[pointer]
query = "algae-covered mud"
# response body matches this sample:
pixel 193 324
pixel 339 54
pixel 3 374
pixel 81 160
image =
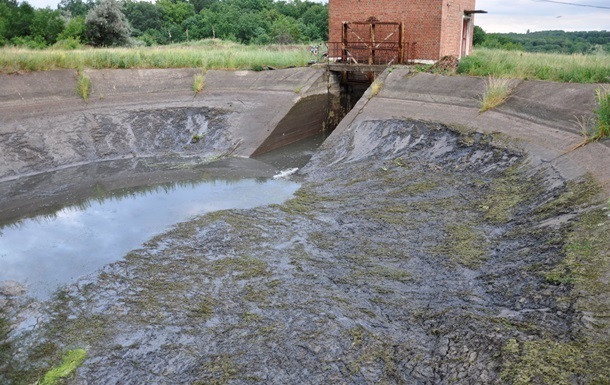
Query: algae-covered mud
pixel 412 254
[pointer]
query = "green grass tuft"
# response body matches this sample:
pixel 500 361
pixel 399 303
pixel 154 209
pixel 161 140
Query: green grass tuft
pixel 83 86
pixel 602 95
pixel 497 92
pixel 71 361
pixel 198 83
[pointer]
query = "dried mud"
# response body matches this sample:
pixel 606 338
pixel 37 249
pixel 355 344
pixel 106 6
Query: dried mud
pixel 412 254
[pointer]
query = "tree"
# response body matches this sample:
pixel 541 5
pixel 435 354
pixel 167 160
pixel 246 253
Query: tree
pixel 175 12
pixel 478 37
pixel 76 7
pixel 75 29
pixel 143 16
pixel 47 24
pixel 106 25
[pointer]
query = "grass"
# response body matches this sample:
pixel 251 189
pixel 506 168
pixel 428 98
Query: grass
pixel 205 54
pixel 83 86
pixel 198 82
pixel 602 95
pixel 585 356
pixel 71 361
pixel 497 92
pixel 537 66
pixel 375 88
pixel 597 127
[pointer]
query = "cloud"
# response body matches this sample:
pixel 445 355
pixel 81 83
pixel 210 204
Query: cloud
pixel 521 15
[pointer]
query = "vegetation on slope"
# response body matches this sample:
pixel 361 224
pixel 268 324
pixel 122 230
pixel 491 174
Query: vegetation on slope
pixel 205 54
pixel 540 66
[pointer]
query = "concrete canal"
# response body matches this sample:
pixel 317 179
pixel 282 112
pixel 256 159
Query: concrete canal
pixel 418 249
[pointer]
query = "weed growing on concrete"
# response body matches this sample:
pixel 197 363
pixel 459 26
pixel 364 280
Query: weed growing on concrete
pixel 594 129
pixel 71 361
pixel 375 88
pixel 497 92
pixel 198 82
pixel 602 95
pixel 298 89
pixel 83 86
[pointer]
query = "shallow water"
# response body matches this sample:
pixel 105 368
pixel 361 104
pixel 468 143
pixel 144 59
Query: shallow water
pixel 58 226
pixel 47 251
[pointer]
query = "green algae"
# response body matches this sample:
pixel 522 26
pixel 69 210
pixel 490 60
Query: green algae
pixel 70 362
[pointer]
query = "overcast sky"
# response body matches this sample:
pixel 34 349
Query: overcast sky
pixel 517 15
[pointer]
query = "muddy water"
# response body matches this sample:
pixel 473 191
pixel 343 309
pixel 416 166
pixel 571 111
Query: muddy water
pixel 62 230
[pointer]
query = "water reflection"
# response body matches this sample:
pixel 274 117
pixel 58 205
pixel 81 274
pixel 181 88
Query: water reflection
pixel 62 245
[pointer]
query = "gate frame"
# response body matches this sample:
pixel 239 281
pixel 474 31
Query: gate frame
pixel 372 44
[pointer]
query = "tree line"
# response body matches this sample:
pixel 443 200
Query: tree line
pixel 130 22
pixel 586 42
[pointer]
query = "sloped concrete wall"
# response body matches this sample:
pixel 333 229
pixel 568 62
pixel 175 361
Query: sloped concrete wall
pixel 45 125
pixel 540 117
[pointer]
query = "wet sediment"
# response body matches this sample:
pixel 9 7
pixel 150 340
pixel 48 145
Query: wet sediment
pixel 412 254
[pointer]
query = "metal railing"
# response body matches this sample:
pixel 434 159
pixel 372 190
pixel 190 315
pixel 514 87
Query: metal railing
pixel 371 53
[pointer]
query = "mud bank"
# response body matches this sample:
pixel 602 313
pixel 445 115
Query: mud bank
pixel 442 258
pixel 44 125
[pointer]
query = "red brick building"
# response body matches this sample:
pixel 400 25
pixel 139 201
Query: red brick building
pixel 397 31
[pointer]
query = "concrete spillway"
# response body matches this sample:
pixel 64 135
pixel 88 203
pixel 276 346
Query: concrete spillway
pixel 44 125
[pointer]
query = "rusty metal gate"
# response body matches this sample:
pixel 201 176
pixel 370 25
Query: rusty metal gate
pixel 372 42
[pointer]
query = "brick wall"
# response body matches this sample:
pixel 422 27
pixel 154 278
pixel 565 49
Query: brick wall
pixel 452 26
pixel 436 31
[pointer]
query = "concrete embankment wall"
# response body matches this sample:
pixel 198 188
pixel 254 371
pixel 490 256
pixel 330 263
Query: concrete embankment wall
pixel 539 117
pixel 45 125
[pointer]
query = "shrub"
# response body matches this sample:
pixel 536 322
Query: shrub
pixel 106 25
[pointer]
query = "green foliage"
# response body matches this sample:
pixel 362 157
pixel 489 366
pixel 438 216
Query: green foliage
pixel 71 361
pixel 546 41
pixel 204 54
pixel 143 16
pixel 163 22
pixel 602 95
pixel 74 30
pixel 47 24
pixel 67 44
pixel 76 8
pixel 106 25
pixel 479 35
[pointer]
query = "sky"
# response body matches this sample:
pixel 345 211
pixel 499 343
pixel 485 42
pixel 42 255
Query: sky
pixel 517 15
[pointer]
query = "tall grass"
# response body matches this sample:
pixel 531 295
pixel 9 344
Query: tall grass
pixel 602 95
pixel 207 54
pixel 497 91
pixel 83 86
pixel 542 66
